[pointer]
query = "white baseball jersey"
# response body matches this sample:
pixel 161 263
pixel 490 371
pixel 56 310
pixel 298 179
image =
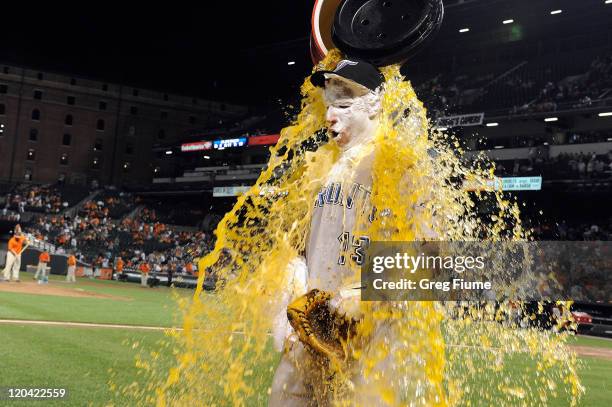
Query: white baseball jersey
pixel 343 201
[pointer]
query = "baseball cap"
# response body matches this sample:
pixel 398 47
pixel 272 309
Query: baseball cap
pixel 360 72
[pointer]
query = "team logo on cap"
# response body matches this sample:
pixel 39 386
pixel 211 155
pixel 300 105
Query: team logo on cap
pixel 344 63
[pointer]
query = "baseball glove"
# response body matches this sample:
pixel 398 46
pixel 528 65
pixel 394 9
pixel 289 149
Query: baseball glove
pixel 322 330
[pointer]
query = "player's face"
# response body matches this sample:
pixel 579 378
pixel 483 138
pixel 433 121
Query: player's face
pixel 349 117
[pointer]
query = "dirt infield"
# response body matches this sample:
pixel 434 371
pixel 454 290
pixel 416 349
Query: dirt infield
pixel 54 288
pixel 601 353
pixel 596 352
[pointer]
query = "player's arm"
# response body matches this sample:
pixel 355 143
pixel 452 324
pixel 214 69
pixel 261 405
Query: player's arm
pixel 296 274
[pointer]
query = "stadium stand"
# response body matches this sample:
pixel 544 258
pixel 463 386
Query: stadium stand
pixel 114 224
pixel 542 85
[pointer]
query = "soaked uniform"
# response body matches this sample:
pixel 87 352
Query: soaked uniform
pixel 334 252
pixel 341 207
pixel 332 255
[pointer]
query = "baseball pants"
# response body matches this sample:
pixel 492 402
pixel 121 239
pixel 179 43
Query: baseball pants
pixel 13 263
pixel 300 382
pixel 41 270
pixel 70 275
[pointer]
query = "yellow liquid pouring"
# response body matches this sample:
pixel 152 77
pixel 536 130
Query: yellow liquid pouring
pixel 224 356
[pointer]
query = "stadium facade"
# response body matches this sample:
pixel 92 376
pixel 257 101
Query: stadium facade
pixel 59 127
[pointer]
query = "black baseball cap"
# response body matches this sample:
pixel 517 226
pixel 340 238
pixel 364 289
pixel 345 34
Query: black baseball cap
pixel 357 71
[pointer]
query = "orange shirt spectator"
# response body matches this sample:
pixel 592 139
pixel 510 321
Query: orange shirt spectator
pixel 15 244
pixel 119 266
pixel 44 257
pixel 189 268
pixel 71 260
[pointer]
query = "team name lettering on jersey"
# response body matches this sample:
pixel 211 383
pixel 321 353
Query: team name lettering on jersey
pixel 335 194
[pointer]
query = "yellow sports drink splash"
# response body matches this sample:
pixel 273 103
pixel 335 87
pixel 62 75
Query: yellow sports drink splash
pixel 223 355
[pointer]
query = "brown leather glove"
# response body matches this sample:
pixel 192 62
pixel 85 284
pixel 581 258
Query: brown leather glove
pixel 322 330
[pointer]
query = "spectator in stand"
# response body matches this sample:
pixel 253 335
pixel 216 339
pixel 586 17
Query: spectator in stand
pixel 70 275
pixel 41 268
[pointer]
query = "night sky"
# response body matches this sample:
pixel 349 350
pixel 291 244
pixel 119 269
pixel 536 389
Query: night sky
pixel 235 51
pixel 231 50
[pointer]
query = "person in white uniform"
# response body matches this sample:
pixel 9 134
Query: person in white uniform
pixel 353 99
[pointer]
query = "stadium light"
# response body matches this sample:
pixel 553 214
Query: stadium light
pixel 498 147
pixel 442 128
pixel 551 119
pixel 609 138
pixel 169 152
pixel 510 21
pixel 291 63
pixel 545 143
pixel 464 30
pixel 207 157
pixel 604 114
pixel 493 124
pixel 556 12
pixel 608 2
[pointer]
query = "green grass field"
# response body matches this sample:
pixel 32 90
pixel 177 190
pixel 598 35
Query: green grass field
pixel 79 359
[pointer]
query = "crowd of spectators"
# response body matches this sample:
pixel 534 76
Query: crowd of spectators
pixel 580 90
pixel 179 258
pixel 96 238
pixel 519 89
pixel 9 215
pixel 443 94
pixel 581 270
pixel 110 204
pixel 563 166
pixel 37 198
pixel 574 231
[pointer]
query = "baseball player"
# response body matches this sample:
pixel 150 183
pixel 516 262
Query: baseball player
pixel 353 99
pixel 144 273
pixel 16 245
pixel 70 275
pixel 41 268
pixel 119 269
